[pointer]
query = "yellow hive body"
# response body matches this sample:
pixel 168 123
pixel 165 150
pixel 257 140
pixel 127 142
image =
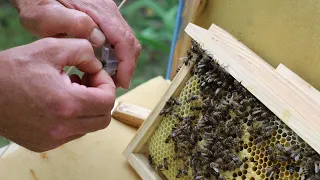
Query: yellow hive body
pixel 260 163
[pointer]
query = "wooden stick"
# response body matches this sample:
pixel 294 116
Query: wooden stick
pixel 130 114
pixel 265 85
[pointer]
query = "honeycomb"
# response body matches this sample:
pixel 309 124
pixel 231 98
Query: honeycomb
pixel 216 129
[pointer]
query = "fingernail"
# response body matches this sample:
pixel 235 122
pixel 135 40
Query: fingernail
pixel 97 37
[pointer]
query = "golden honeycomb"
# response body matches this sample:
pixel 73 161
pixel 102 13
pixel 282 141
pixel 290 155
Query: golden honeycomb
pixel 216 129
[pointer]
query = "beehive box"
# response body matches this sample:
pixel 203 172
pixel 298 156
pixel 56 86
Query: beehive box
pixel 228 115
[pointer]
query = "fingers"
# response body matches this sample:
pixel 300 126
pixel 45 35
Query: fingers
pixel 87 125
pixel 55 20
pixel 98 98
pixel 96 94
pixel 69 52
pixel 81 126
pixel 106 14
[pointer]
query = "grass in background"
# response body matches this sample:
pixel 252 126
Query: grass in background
pixel 152 21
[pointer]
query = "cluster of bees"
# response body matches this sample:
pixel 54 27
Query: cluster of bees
pixel 224 118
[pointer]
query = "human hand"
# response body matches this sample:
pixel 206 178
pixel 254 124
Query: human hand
pixel 42 108
pixel 80 19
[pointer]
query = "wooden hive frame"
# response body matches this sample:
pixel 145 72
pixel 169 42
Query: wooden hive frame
pixel 290 98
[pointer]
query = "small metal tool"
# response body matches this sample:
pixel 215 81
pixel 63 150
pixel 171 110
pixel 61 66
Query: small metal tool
pixel 109 60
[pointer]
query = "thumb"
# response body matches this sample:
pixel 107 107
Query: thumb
pixel 57 20
pixel 71 52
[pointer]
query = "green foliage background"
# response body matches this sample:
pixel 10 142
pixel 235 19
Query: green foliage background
pixel 152 21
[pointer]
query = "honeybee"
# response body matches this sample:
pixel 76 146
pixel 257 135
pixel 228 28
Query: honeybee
pixel 173 101
pixel 230 166
pixel 104 64
pixel 195 108
pixel 237 149
pixel 245 159
pixel 166 111
pixel 178 69
pixel 239 113
pixel 199 177
pixel 283 149
pixel 189 118
pixel 165 163
pixel 251 100
pixel 258 140
pixel 269 150
pixel 294 155
pixel 215 166
pixel 264 114
pixel 186 60
pixel 167 139
pixel 268 133
pixel 216 93
pixel 238 164
pixel 179 173
pixel 159 167
pixel 282 158
pixel 193 98
pixel 221 108
pixel 316 167
pixel 175 147
pixel 257 118
pixel 217 115
pixel 225 85
pixel 256 112
pixel 306 172
pixel 150 159
pixel 291 168
pixel 178 117
pixel 270 172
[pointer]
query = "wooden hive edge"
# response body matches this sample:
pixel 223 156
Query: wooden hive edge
pixel 135 151
pixel 299 83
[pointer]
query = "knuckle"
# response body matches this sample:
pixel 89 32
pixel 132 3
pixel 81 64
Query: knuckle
pixel 62 108
pixel 84 23
pixel 85 44
pixel 35 20
pixel 112 4
pixel 111 101
pixel 131 37
pixel 138 49
pixel 56 133
pixel 106 122
pixel 66 110
pixel 51 43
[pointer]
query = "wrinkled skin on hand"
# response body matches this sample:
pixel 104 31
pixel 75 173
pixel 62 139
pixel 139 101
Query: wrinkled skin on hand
pixel 82 19
pixel 42 108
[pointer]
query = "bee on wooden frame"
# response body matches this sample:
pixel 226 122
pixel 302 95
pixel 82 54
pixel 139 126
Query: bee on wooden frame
pixel 150 159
